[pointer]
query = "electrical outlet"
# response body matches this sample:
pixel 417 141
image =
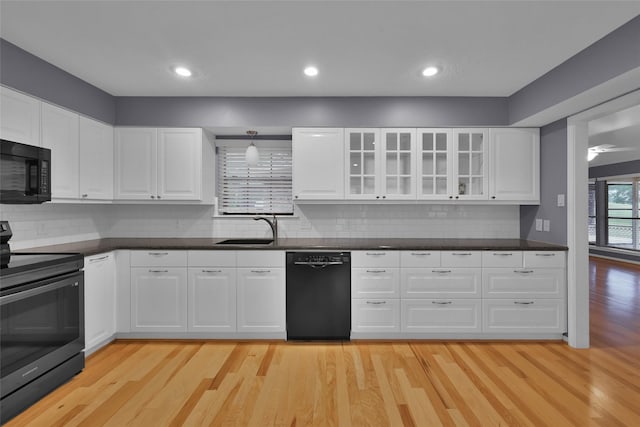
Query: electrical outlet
pixel 546 226
pixel 538 224
pixel 560 200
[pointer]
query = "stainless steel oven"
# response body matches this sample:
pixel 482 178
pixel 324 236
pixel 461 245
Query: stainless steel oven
pixel 42 333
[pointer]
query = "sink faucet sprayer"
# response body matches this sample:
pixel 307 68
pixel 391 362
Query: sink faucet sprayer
pixel 272 223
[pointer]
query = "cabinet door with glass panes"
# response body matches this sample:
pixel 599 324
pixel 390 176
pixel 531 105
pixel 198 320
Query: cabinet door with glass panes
pixel 435 164
pixel 470 164
pixel 363 163
pixel 398 167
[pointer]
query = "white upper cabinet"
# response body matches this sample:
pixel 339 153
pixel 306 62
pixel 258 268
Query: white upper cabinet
pixel 470 148
pixel 435 163
pixel 60 133
pixel 398 169
pixel 318 156
pixel 96 160
pixel 19 117
pixel 158 164
pixel 363 163
pixel 515 165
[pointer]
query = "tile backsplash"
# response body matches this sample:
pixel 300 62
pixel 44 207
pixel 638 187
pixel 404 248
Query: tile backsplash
pixel 52 223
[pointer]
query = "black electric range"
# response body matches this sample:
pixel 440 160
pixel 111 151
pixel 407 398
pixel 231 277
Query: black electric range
pixel 23 268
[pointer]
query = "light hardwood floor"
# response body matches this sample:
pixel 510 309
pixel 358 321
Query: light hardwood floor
pixel 151 383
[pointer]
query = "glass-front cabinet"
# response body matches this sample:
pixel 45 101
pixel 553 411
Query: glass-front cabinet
pixel 398 165
pixel 363 166
pixel 470 164
pixel 435 163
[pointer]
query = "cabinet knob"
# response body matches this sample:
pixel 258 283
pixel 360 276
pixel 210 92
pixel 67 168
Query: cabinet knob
pixel 158 197
pixel 84 196
pixel 296 197
pixel 153 197
pixel 457 197
pixel 451 197
pixel 384 197
pixel 377 197
pixel 493 197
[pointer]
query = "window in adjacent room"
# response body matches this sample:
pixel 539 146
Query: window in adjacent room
pixel 622 217
pixel 264 189
pixel 592 212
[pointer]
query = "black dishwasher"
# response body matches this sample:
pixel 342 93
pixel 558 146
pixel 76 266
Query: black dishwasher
pixel 318 295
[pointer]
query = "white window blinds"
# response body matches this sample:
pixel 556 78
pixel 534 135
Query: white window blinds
pixel 261 189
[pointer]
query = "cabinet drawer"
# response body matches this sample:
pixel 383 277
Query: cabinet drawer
pixel 158 258
pixel 544 259
pixel 375 315
pixel 375 258
pixel 212 258
pixel 461 259
pixel 441 315
pixel 420 259
pixel 502 259
pixel 524 315
pixel 266 258
pixel 440 282
pixel 375 282
pixel 521 282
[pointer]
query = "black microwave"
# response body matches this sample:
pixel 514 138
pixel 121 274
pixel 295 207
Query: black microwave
pixel 25 173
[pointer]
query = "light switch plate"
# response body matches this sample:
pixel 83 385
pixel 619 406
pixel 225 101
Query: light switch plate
pixel 560 200
pixel 546 225
pixel 538 224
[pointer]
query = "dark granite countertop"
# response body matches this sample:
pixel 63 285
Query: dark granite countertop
pixel 92 247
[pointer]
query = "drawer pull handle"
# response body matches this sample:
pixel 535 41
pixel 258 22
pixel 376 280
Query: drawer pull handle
pixel 212 271
pixel 502 254
pixel 441 271
pixel 376 302
pixel 376 253
pixel 158 271
pixel 261 271
pixel 420 253
pixel 462 253
pixel 442 302
pixel 523 271
pixel 376 271
pixel 545 254
pixel 523 302
pixel 99 258
pixel 158 253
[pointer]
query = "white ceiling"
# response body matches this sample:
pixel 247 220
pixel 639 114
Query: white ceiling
pixel 621 129
pixel 259 48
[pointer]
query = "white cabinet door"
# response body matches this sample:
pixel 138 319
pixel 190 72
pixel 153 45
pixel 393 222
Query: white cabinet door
pixel 470 149
pixel 363 164
pixel 99 300
pixel 135 163
pixel 524 315
pixel 318 158
pixel 375 315
pixel 19 117
pixel 179 164
pixel 440 282
pixel 442 315
pixel 211 303
pixel 261 299
pixel 60 133
pixel 96 160
pixel 434 148
pixel 514 165
pixel 375 282
pixel 158 299
pixel 397 165
pixel 524 283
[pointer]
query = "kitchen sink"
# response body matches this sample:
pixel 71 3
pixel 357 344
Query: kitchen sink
pixel 245 242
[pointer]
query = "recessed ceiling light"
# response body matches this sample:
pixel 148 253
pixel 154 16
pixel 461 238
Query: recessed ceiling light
pixel 182 71
pixel 430 71
pixel 311 71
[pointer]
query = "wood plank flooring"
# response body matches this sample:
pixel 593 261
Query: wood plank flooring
pixel 418 383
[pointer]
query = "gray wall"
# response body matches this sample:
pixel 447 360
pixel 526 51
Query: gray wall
pixel 553 181
pixel 611 56
pixel 27 73
pixel 316 111
pixel 615 169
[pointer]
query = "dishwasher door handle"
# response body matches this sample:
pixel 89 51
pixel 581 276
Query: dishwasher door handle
pixel 318 266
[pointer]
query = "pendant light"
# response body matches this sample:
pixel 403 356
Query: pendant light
pixel 251 155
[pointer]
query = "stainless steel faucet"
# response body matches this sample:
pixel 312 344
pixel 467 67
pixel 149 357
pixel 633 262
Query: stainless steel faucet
pixel 272 223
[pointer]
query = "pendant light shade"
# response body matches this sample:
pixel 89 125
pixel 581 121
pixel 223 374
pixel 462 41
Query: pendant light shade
pixel 251 155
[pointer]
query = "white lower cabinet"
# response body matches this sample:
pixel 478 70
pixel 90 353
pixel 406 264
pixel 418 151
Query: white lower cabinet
pixel 211 299
pixel 99 301
pixel 441 315
pixel 523 282
pixel 524 315
pixel 261 299
pixel 375 315
pixel 375 282
pixel 158 299
pixel 439 282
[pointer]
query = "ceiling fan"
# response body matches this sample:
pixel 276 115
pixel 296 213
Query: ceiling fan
pixel 605 148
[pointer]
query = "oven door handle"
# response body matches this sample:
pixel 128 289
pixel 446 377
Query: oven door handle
pixel 74 281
